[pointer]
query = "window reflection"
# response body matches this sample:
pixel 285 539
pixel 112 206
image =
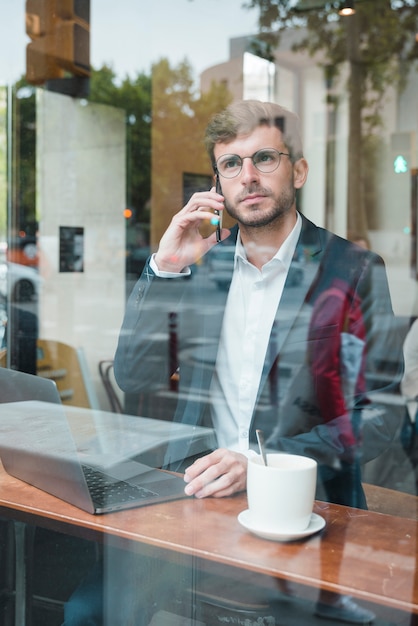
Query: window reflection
pixel 114 167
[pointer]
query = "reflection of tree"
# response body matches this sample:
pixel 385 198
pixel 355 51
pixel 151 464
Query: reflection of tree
pixel 3 161
pixel 23 149
pixel 378 42
pixel 134 96
pixel 179 117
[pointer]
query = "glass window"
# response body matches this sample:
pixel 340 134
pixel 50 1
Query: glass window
pixel 165 312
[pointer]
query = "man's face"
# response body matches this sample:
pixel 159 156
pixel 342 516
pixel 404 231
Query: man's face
pixel 253 198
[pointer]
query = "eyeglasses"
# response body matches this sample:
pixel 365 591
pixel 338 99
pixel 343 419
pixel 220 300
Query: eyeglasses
pixel 266 160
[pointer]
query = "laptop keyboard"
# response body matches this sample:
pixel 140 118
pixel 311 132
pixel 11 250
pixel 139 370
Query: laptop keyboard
pixel 105 490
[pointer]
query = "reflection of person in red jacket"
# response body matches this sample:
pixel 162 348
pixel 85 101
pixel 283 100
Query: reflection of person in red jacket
pixel 337 339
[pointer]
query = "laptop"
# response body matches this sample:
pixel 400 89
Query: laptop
pixel 90 458
pixel 16 386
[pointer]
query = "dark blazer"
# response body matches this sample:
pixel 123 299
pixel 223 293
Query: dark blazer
pixel 287 408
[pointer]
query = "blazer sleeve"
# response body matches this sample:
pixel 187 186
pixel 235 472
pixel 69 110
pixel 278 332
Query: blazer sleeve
pixel 142 356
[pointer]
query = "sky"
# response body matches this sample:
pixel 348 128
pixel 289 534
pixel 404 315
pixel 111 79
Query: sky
pixel 129 35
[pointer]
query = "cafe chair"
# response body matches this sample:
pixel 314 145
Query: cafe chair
pixel 216 609
pixel 67 366
pixel 222 600
pixel 106 376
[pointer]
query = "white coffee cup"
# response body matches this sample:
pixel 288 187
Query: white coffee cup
pixel 281 495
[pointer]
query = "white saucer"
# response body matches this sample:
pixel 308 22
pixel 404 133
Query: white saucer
pixel 316 524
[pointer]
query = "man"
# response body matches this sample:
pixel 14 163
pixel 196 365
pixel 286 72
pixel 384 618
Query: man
pixel 240 370
pixel 256 152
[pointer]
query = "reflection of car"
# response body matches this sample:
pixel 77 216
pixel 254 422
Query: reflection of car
pixel 221 266
pixel 23 251
pixel 20 281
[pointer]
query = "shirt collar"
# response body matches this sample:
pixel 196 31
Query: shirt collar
pixel 286 251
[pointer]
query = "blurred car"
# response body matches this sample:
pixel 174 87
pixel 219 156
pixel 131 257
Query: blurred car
pixel 23 250
pixel 19 283
pixel 221 266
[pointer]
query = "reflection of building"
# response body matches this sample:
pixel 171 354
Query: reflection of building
pixel 297 81
pixel 249 76
pixel 179 159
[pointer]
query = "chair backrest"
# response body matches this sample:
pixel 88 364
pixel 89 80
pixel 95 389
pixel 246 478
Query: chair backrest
pixel 60 362
pixel 106 375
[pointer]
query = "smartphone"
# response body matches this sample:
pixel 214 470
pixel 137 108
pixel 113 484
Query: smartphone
pixel 218 213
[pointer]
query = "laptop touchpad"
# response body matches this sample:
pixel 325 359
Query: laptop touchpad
pixel 128 470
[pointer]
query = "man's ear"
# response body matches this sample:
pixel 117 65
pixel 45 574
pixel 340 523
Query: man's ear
pixel 300 172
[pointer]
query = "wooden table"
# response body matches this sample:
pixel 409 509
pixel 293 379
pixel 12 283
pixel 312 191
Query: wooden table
pixel 371 556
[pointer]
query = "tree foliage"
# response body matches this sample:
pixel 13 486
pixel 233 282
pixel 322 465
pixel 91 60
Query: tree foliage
pixel 134 97
pixel 384 33
pixel 23 148
pixel 164 108
pixel 3 163
pixel 165 115
pixel 179 117
pixel 378 43
pixel 180 114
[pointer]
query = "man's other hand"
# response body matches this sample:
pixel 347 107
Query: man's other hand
pixel 218 474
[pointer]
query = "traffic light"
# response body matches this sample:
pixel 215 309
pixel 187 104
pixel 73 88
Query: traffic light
pixel 402 147
pixel 60 34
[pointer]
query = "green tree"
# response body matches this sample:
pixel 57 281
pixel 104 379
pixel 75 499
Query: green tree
pixel 134 96
pixel 179 117
pixel 180 114
pixel 165 116
pixel 23 152
pixel 165 106
pixel 3 163
pixel 378 43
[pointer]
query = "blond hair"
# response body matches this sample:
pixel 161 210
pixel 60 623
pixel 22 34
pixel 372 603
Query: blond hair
pixel 243 117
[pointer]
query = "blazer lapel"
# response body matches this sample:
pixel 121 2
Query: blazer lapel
pixel 293 298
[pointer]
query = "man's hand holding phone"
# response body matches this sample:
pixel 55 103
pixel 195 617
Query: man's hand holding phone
pixel 182 243
pixel 218 213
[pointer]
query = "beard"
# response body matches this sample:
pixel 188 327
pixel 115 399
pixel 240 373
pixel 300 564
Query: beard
pixel 259 215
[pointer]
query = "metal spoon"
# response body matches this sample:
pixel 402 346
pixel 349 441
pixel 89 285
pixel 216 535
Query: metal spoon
pixel 260 440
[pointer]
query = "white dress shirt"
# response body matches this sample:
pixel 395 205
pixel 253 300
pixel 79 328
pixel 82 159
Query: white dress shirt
pixel 251 306
pixel 253 299
pixel 409 383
